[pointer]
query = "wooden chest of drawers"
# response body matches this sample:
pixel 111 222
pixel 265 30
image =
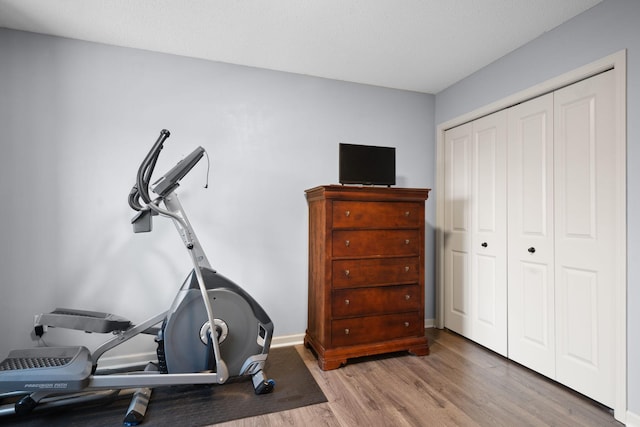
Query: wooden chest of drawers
pixel 366 272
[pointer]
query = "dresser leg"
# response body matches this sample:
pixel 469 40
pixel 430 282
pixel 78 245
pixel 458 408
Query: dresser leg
pixel 327 365
pixel 422 350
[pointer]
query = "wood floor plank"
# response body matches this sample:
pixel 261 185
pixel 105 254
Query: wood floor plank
pixel 459 384
pixel 523 393
pixel 315 415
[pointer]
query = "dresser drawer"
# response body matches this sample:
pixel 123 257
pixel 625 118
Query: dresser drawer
pixel 371 329
pixel 352 273
pixel 379 300
pixel 352 214
pixel 357 243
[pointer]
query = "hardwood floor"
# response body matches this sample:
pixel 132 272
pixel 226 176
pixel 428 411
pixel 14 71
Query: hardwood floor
pixel 458 384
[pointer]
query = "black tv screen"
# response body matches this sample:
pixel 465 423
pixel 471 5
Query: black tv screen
pixel 367 165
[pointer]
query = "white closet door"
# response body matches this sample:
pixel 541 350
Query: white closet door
pixel 457 232
pixel 531 255
pixel 585 235
pixel 475 231
pixel 489 232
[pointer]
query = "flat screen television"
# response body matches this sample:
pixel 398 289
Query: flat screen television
pixel 367 165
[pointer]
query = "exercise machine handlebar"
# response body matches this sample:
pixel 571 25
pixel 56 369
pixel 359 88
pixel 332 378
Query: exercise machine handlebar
pixel 168 182
pixel 141 188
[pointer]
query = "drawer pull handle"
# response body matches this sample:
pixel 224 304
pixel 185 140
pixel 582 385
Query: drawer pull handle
pixel 406 268
pixel 346 302
pixel 406 324
pixel 347 213
pixel 347 273
pixel 407 297
pixel 407 213
pixel 346 331
pixel 406 242
pixel 347 243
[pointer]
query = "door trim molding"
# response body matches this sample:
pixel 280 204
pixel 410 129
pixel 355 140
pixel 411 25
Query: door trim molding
pixel 618 63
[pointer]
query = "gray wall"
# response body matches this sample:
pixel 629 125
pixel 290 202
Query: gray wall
pixel 77 117
pixel 605 29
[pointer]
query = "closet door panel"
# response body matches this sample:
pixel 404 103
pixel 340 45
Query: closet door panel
pixel 537 313
pixel 531 298
pixel 475 231
pixel 459 300
pixel 585 235
pixel 457 229
pixel 489 232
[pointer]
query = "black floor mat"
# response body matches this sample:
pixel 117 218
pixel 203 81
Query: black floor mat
pixel 199 405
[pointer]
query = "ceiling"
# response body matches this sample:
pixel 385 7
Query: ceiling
pixel 417 45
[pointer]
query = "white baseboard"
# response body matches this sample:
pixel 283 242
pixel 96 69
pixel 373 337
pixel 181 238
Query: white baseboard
pixel 632 419
pixel 429 323
pixel 122 361
pixel 287 340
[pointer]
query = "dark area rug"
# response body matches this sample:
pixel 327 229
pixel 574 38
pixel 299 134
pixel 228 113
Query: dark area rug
pixel 198 405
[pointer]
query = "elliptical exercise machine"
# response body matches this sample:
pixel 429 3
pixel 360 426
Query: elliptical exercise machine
pixel 214 330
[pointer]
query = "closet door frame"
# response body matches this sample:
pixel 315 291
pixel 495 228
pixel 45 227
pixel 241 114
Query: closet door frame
pixel 617 63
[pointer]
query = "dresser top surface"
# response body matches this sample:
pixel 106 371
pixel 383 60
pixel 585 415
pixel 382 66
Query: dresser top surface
pixel 365 193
